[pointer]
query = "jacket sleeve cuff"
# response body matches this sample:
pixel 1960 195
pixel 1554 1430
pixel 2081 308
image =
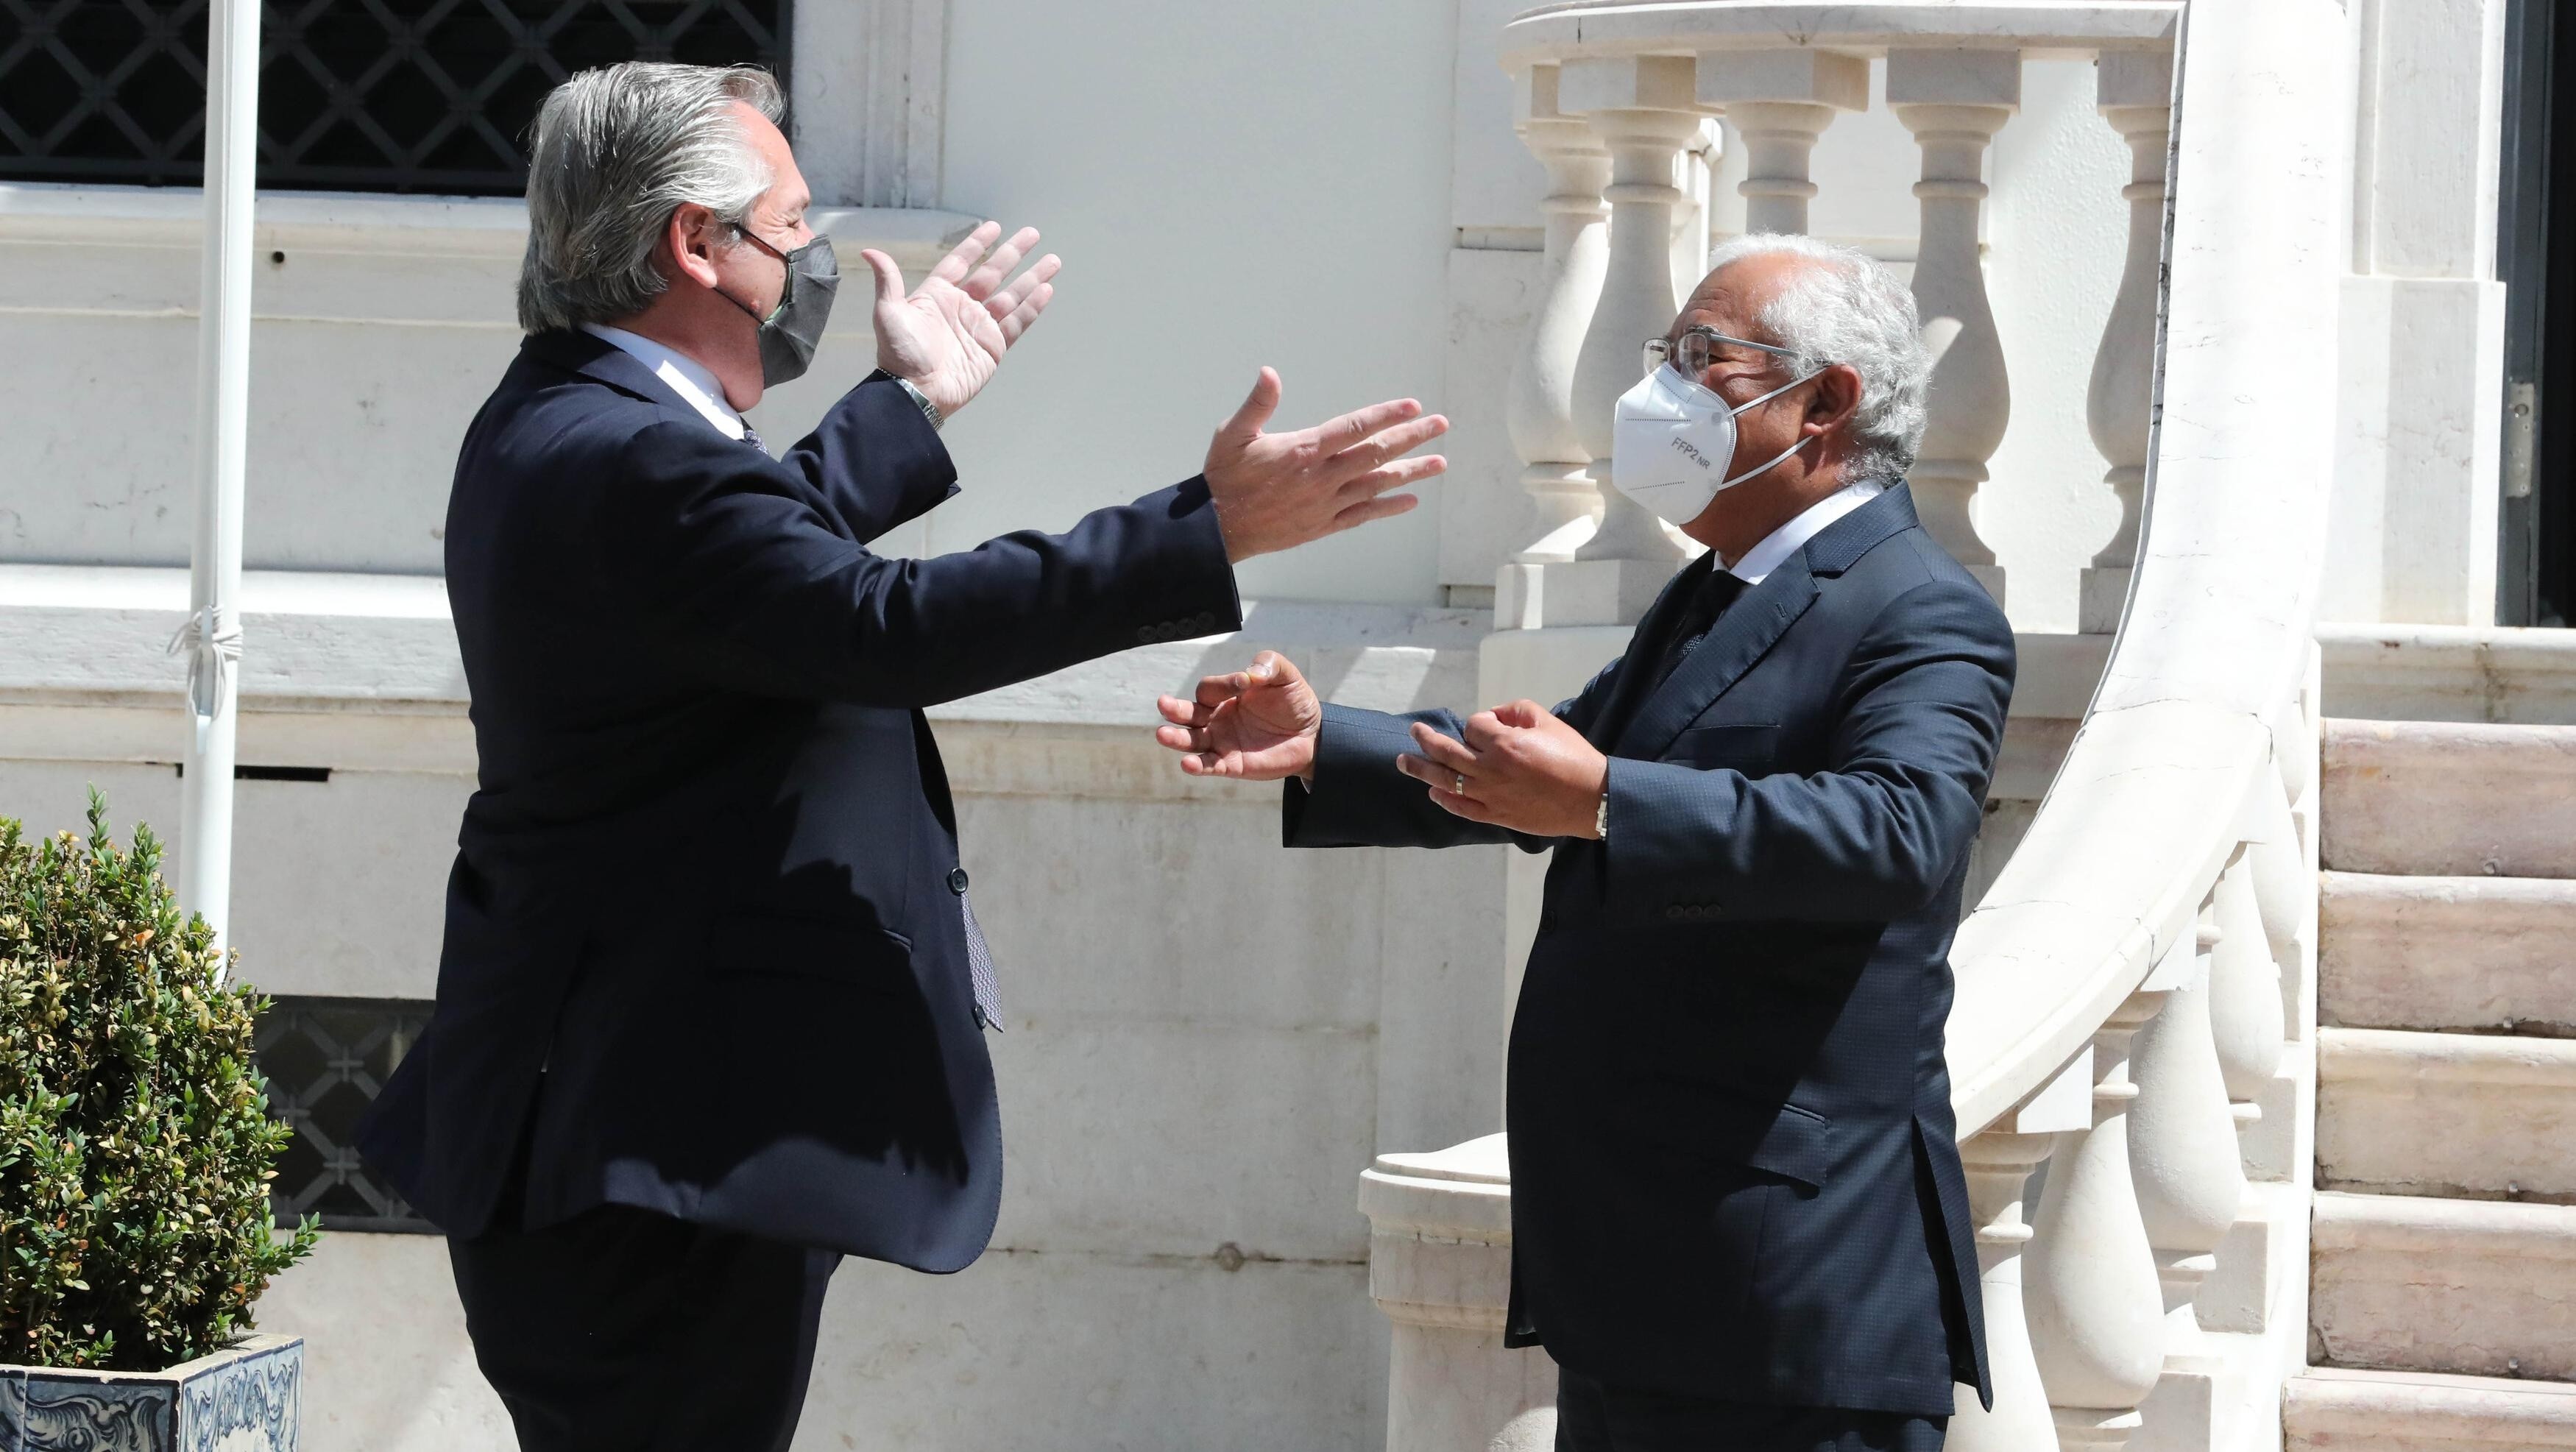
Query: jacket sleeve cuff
pixel 1355 756
pixel 922 473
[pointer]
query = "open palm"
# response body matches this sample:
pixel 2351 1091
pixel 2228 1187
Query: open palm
pixel 949 335
pixel 1252 725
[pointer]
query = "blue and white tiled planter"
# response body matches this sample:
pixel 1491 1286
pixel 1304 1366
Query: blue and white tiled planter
pixel 248 1397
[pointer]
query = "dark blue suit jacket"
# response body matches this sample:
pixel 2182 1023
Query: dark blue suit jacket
pixel 1734 1167
pixel 709 882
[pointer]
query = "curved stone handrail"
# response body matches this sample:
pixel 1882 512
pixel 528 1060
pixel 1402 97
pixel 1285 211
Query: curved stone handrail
pixel 2197 700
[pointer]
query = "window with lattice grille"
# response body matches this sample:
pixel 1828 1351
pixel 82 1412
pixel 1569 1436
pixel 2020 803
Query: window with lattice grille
pixel 326 1059
pixel 354 95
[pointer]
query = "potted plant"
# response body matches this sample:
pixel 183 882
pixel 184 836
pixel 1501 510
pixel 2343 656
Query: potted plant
pixel 135 1155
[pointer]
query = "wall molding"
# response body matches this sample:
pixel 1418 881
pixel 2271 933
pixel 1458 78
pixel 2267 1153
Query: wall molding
pixel 869 91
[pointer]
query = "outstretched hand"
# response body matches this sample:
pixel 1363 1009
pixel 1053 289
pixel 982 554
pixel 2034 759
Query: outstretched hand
pixel 1521 767
pixel 948 337
pixel 1252 725
pixel 1277 491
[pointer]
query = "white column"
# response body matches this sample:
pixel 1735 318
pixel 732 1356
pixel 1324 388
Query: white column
pixel 2135 94
pixel 1440 1267
pixel 1954 101
pixel 1539 410
pixel 1643 111
pixel 1998 1167
pixel 1998 1164
pixel 1779 102
pixel 211 636
pixel 2090 1288
pixel 2246 1015
pixel 2183 1152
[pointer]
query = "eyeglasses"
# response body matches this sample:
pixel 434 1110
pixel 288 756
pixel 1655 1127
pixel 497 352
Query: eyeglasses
pixel 1696 348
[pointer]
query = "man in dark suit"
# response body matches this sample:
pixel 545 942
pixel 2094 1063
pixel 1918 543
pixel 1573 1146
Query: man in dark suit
pixel 712 996
pixel 1738 1214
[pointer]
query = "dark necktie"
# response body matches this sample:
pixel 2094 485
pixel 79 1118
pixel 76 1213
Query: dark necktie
pixel 751 436
pixel 1707 603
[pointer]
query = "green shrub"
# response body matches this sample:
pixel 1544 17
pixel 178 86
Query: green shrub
pixel 135 1143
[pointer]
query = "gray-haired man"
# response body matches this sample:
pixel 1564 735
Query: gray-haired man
pixel 1738 1216
pixel 712 996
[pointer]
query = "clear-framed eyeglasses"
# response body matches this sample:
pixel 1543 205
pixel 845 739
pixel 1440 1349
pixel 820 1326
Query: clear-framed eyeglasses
pixel 1692 352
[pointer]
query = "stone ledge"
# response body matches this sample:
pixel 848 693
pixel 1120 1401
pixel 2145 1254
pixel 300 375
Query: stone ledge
pixel 2484 1116
pixel 2449 799
pixel 2351 1410
pixel 2449 953
pixel 2449 673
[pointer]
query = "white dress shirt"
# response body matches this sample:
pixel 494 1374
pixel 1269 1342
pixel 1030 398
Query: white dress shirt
pixel 1785 541
pixel 692 380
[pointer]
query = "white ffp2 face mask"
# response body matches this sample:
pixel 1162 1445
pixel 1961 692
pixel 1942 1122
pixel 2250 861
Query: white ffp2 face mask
pixel 1671 439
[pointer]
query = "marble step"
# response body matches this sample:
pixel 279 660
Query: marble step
pixel 2449 799
pixel 2472 1287
pixel 2334 1409
pixel 2489 954
pixel 2485 1116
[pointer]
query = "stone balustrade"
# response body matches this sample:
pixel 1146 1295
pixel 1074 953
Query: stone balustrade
pixel 2131 1047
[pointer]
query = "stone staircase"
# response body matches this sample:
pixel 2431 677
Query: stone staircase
pixel 2442 1310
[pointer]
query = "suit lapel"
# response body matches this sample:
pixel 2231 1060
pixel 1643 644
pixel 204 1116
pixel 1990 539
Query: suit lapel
pixel 1738 639
pixel 1755 622
pixel 1636 669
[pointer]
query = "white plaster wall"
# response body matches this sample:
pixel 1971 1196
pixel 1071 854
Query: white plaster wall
pixel 2413 531
pixel 1230 185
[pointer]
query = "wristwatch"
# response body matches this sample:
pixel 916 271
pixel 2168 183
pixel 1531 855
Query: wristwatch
pixel 929 410
pixel 1601 817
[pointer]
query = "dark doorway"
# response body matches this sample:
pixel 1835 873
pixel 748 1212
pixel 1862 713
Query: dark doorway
pixel 2536 573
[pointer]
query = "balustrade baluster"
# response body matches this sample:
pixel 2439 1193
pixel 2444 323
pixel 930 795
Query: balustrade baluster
pixel 1780 102
pixel 1643 110
pixel 1539 409
pixel 1998 1164
pixel 2182 1147
pixel 2135 94
pixel 2090 1287
pixel 1954 101
pixel 2245 990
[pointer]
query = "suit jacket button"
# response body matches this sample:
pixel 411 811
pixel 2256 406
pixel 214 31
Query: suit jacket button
pixel 1144 635
pixel 1675 912
pixel 957 880
pixel 1205 622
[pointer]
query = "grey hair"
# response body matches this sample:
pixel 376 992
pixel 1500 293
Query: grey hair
pixel 1846 308
pixel 617 151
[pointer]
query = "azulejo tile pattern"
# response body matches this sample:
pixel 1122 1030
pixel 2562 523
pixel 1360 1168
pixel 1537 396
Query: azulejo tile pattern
pixel 247 1398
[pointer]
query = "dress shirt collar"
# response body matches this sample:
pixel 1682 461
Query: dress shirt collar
pixel 1789 538
pixel 692 380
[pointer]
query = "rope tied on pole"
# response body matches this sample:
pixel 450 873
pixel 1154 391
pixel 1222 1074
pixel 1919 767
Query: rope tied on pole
pixel 212 640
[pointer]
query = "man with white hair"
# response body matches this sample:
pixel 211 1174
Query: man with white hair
pixel 1738 1213
pixel 712 997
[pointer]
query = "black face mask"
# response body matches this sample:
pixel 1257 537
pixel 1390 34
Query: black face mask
pixel 793 328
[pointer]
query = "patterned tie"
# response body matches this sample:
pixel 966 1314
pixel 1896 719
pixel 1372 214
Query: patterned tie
pixel 751 436
pixel 1715 593
pixel 979 967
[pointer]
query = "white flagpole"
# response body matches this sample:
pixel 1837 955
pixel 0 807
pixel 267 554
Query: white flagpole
pixel 211 637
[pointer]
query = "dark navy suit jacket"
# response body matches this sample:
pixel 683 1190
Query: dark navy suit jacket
pixel 704 952
pixel 1734 1167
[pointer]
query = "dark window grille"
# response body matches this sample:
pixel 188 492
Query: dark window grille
pixel 354 95
pixel 326 1060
